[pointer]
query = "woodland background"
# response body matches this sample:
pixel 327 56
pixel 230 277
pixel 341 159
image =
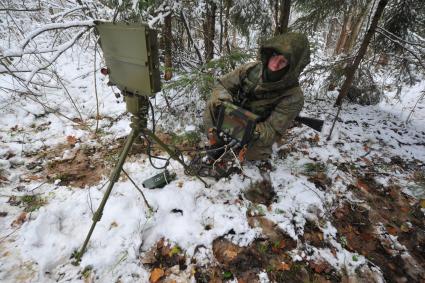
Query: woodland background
pixel 344 205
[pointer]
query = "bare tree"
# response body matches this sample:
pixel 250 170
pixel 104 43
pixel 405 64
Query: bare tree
pixel 209 29
pixel 168 60
pixel 284 13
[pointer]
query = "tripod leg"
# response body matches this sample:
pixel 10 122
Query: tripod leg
pixel 174 155
pixel 113 179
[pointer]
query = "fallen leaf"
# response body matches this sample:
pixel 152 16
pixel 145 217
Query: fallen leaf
pixel 405 227
pixel 405 209
pixel 3 179
pixel 320 266
pixel 230 254
pixel 113 225
pixel 20 220
pixel 71 140
pixel 14 201
pixel 392 230
pixel 284 266
pixel 422 203
pixel 32 178
pixel 156 274
pixel 362 185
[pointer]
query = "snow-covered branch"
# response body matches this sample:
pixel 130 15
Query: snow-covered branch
pixel 48 27
pixel 49 62
pixel 402 44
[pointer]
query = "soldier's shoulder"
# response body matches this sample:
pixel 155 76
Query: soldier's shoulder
pixel 250 69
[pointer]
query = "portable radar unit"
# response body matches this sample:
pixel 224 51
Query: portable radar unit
pixel 131 55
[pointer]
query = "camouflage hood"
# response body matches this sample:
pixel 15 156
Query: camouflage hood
pixel 295 47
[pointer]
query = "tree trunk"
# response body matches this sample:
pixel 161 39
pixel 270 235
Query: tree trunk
pixel 227 4
pixel 345 31
pixel 220 45
pixel 209 30
pixel 350 71
pixel 285 10
pixel 167 35
pixel 276 14
pixel 330 37
pixel 189 35
pixel 358 22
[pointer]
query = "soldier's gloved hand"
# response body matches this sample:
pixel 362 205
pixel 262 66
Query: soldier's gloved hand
pixel 219 95
pixel 264 134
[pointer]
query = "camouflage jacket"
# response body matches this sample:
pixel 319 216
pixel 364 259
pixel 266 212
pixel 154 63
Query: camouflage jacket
pixel 277 103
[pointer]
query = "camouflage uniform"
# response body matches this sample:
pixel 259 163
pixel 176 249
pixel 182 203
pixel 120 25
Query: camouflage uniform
pixel 277 102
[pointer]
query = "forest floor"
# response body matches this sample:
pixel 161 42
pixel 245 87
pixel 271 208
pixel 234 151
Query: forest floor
pixel 346 210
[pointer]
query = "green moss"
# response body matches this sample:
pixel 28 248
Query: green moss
pixel 64 177
pixel 314 168
pixel 263 247
pixel 32 202
pixel 175 251
pixel 191 139
pixel 343 241
pixel 227 275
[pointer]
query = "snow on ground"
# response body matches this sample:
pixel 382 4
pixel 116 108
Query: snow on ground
pixel 39 248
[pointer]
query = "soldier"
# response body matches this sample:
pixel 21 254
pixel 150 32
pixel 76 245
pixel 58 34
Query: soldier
pixel 268 88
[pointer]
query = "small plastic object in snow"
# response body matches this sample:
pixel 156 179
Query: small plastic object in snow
pixel 159 180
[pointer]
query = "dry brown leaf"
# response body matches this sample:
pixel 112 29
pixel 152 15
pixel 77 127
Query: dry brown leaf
pixel 71 140
pixel 3 179
pixel 422 203
pixel 113 225
pixel 32 178
pixel 405 227
pixel 392 230
pixel 284 266
pixel 156 274
pixel 320 266
pixel 20 220
pixel 230 254
pixel 362 185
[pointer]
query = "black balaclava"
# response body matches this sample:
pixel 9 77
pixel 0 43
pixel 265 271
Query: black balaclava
pixel 268 75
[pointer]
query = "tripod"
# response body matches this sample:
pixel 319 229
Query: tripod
pixel 138 106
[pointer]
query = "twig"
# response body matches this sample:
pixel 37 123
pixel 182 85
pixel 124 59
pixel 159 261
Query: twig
pixel 10 234
pixel 57 55
pixel 402 46
pixel 186 26
pixel 137 188
pixel 69 96
pixel 334 122
pixel 414 107
pixel 401 39
pixel 54 26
